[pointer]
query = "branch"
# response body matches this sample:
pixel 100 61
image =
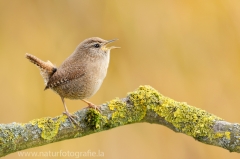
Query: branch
pixel 143 105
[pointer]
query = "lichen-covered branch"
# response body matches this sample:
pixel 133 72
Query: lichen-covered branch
pixel 143 105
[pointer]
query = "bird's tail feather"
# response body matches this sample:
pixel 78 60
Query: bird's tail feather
pixel 47 69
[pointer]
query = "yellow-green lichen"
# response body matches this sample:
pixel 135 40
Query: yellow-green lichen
pixel 118 107
pixel 7 140
pixel 49 126
pixel 123 115
pixel 187 119
pixel 219 135
pixel 94 119
pixel 1 142
pixel 227 135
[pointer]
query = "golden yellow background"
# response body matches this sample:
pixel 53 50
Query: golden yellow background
pixel 188 50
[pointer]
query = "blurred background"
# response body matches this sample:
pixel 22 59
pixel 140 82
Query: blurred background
pixel 188 50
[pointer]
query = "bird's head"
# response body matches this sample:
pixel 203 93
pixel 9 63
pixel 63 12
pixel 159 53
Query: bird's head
pixel 96 46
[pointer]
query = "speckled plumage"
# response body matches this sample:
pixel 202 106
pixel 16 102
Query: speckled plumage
pixel 81 74
pixel 81 78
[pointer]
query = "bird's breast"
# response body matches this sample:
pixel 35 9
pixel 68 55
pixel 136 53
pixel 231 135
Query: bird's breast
pixel 96 76
pixel 88 84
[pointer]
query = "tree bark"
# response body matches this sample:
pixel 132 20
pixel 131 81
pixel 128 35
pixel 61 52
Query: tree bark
pixel 143 105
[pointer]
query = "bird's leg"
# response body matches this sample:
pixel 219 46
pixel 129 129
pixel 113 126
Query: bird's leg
pixel 70 116
pixel 91 105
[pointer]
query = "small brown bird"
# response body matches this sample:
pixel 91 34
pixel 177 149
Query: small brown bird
pixel 81 74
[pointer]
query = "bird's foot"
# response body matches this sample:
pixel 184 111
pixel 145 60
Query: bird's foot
pixel 71 117
pixel 91 105
pixel 96 107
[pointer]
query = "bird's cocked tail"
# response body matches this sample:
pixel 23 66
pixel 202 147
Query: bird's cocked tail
pixel 47 69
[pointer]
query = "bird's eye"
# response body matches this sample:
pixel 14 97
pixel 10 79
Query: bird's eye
pixel 96 45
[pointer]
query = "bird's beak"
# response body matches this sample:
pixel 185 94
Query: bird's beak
pixel 111 47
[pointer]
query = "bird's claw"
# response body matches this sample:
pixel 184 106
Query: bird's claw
pixel 94 107
pixel 71 117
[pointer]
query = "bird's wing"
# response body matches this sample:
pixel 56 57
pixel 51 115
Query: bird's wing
pixel 63 76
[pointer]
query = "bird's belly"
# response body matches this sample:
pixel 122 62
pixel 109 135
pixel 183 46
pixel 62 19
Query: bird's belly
pixel 85 86
pixel 79 89
pixel 97 84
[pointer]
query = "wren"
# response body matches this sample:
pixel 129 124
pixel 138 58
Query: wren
pixel 80 75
